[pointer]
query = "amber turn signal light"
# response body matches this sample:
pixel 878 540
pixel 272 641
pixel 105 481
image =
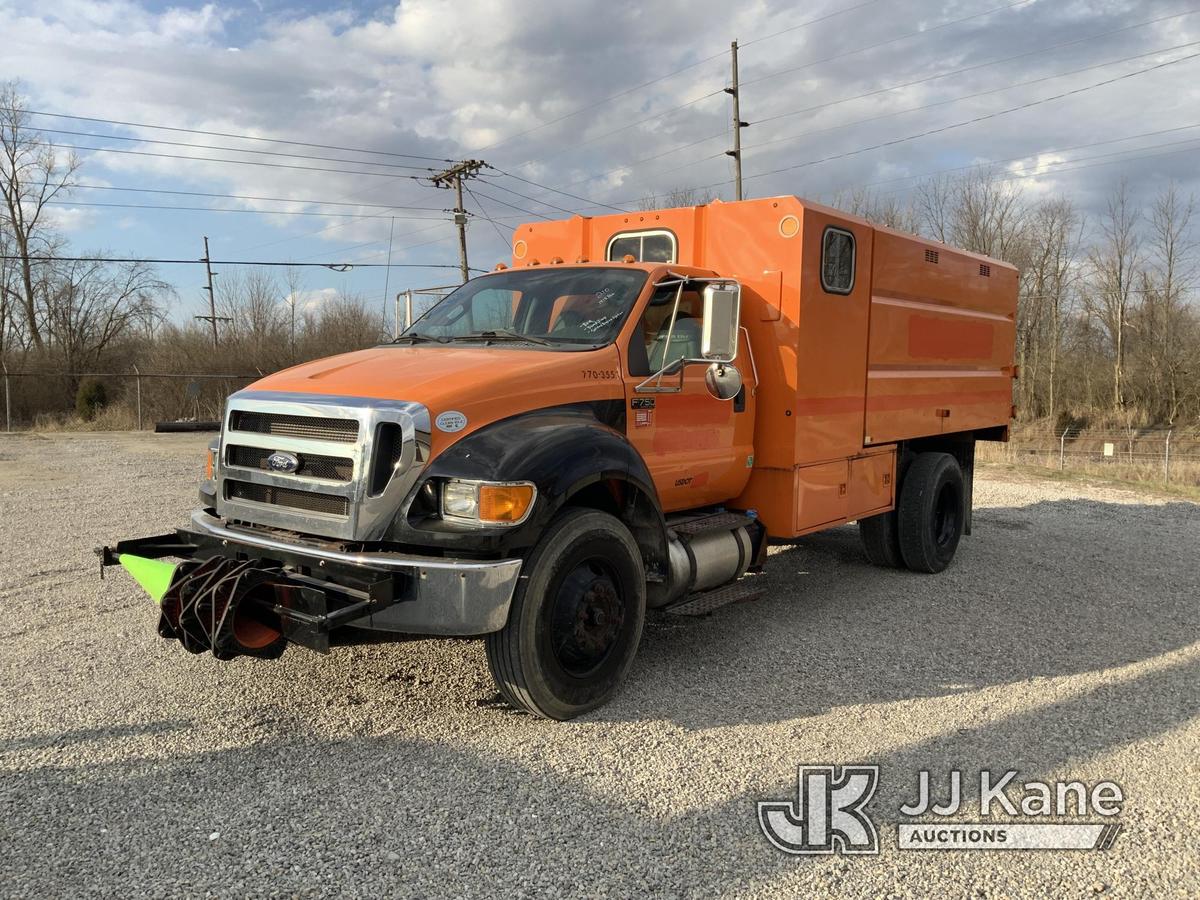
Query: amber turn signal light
pixel 504 503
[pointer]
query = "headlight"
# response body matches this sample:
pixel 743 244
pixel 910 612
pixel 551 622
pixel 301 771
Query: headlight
pixel 487 502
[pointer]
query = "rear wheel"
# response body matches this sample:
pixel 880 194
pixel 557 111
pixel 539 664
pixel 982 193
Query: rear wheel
pixel 881 540
pixel 575 620
pixel 931 514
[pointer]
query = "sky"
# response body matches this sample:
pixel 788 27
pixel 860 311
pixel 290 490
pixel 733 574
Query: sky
pixel 578 107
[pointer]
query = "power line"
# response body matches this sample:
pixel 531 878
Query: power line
pixel 998 162
pixel 306 200
pixel 973 96
pixel 240 162
pixel 364 244
pixel 894 87
pixel 328 228
pixel 547 187
pixel 509 190
pixel 972 121
pixel 688 67
pixel 797 27
pixel 483 212
pixel 141 140
pixel 520 209
pixel 960 71
pixel 244 137
pixel 253 212
pixel 843 55
pixel 892 40
pixel 229 262
pixel 1134 154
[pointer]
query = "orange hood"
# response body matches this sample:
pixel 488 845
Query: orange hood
pixel 486 384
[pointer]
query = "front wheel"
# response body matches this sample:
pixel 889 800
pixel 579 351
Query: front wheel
pixel 576 618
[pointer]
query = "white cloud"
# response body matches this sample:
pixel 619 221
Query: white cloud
pixel 448 79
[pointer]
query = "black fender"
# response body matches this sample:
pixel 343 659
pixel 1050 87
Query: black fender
pixel 572 454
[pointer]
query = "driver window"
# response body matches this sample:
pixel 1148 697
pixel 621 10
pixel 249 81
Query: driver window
pixel 649 351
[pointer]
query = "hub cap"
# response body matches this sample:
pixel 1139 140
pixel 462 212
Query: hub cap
pixel 588 615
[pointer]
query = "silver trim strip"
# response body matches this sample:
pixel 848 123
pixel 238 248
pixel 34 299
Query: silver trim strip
pixel 212 525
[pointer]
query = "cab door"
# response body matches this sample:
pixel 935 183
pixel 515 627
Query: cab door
pixel 699 449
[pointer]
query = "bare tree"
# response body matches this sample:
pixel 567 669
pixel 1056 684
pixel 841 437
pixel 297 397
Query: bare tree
pixel 293 280
pixel 33 172
pixel 347 323
pixel 1162 322
pixel 253 301
pixel 889 211
pixel 1114 262
pixel 677 197
pixel 1047 286
pixel 90 305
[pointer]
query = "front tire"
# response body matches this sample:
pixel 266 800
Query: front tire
pixel 575 620
pixel 931 513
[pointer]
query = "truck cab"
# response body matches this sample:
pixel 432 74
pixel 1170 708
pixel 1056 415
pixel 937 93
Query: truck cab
pixel 559 446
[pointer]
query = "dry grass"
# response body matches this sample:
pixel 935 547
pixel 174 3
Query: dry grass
pixel 1184 473
pixel 114 417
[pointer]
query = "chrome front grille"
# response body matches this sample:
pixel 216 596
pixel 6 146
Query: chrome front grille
pixel 326 504
pixel 312 465
pixel 311 427
pixel 342 464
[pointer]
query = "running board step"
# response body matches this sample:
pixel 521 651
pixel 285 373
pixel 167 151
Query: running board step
pixel 705 602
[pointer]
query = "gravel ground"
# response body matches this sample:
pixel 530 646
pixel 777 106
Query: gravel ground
pixel 1064 641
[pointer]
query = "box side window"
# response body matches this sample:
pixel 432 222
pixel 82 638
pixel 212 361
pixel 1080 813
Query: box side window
pixel 837 261
pixel 643 246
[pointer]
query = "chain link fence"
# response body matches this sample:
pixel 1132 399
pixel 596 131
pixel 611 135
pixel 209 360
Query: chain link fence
pixel 138 399
pixel 1145 454
pixel 135 399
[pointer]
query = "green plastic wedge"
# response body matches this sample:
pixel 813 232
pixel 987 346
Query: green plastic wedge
pixel 154 576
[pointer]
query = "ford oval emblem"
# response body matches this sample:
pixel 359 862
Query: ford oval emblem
pixel 283 462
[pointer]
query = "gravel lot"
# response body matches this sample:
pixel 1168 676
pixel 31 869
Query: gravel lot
pixel 1064 641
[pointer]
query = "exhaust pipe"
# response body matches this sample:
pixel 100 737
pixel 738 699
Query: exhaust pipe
pixel 224 606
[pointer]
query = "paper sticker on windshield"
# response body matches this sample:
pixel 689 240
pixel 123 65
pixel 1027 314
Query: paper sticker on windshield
pixel 451 420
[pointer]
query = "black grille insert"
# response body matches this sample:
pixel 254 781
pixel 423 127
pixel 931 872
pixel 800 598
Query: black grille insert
pixel 277 496
pixel 312 427
pixel 312 465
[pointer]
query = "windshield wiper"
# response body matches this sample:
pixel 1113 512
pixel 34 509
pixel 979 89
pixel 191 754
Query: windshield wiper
pixel 416 337
pixel 503 335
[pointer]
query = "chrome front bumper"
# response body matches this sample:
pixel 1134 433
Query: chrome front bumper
pixel 439 596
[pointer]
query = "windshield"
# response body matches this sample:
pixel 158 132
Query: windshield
pixel 565 308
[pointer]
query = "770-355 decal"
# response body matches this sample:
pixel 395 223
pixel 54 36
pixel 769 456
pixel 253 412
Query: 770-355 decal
pixel 599 374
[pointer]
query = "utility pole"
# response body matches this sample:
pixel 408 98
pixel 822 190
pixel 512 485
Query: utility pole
pixel 453 177
pixel 212 316
pixel 738 125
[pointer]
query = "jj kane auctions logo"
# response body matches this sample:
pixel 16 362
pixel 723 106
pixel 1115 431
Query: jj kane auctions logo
pixel 829 814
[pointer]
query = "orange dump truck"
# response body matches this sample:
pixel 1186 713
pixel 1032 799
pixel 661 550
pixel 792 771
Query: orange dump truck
pixel 617 422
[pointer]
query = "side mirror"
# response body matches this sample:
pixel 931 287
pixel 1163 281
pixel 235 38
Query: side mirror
pixel 722 307
pixel 723 381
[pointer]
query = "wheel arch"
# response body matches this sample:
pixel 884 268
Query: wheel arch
pixel 576 455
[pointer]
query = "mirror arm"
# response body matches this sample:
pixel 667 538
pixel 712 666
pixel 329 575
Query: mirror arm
pixel 670 332
pixel 670 368
pixel 750 350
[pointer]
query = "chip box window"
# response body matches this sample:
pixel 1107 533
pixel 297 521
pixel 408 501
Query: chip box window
pixel 644 246
pixel 837 261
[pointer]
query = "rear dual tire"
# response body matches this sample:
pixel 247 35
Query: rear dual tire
pixel 923 531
